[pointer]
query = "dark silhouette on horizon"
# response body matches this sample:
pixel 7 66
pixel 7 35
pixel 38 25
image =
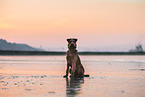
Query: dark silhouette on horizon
pixel 4 45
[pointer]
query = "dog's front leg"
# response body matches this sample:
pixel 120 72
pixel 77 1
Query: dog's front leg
pixel 66 70
pixel 73 69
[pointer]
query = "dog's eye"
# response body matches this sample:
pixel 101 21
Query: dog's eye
pixel 74 41
pixel 68 40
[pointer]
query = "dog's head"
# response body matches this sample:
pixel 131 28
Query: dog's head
pixel 72 43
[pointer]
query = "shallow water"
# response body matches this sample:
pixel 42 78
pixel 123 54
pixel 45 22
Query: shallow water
pixel 41 76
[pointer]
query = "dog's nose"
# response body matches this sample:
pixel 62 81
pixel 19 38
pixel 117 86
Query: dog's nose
pixel 72 44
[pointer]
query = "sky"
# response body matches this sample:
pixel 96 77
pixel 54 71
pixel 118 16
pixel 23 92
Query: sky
pixel 99 25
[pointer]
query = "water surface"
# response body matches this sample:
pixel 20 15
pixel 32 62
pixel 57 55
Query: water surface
pixel 41 76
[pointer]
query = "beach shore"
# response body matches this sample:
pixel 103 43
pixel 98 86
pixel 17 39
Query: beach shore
pixel 42 76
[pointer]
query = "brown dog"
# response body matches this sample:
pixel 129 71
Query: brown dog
pixel 74 65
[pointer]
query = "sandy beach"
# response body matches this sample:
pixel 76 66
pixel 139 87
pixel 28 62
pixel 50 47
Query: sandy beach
pixel 42 76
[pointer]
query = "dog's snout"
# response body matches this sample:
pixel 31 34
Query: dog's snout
pixel 72 44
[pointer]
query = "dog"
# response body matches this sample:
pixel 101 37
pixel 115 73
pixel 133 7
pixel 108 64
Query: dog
pixel 74 66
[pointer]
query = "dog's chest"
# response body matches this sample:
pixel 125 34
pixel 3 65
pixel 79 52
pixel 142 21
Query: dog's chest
pixel 71 58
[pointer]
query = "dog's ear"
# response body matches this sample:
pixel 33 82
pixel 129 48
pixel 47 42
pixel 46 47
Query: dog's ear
pixel 68 40
pixel 75 40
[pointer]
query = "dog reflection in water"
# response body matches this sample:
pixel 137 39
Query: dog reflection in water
pixel 73 86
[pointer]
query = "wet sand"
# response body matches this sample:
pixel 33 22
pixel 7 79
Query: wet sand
pixel 41 76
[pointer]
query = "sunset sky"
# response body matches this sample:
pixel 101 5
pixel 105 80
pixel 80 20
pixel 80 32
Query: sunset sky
pixel 99 25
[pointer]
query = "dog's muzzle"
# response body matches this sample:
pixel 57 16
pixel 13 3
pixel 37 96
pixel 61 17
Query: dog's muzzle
pixel 72 45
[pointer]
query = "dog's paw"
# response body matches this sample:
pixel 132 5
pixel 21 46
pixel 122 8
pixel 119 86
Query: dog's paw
pixel 65 76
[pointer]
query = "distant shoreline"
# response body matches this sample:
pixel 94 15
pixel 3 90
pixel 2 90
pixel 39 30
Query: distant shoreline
pixel 3 52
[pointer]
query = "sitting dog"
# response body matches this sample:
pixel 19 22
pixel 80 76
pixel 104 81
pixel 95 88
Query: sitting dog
pixel 74 66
